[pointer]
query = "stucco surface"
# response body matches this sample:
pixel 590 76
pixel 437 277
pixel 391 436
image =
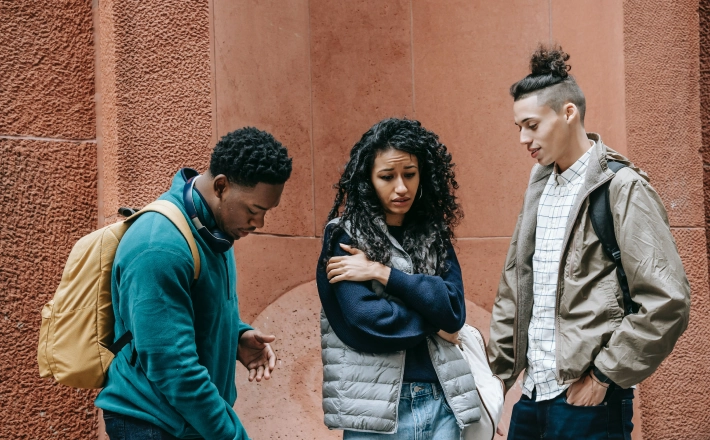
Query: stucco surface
pixel 289 405
pixel 47 65
pixel 597 63
pixel 463 67
pixel 172 75
pixel 662 97
pixel 268 266
pixel 664 137
pixel 704 15
pixel 156 108
pixel 362 73
pixel 674 398
pixel 262 62
pixel 481 261
pixel 48 202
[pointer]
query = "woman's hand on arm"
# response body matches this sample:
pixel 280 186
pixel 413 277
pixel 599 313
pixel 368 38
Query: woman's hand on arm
pixel 356 267
pixel 451 337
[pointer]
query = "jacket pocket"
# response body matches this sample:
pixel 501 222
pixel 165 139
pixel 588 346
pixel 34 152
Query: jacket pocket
pixel 610 288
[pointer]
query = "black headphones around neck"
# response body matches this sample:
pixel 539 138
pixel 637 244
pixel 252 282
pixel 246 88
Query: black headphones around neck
pixel 217 240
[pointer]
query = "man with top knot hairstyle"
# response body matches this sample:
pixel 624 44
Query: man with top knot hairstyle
pixel 586 317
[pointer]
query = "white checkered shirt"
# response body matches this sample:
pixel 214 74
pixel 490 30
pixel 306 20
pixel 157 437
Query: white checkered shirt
pixel 555 204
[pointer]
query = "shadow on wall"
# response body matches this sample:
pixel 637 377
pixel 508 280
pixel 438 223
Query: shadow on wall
pixel 289 405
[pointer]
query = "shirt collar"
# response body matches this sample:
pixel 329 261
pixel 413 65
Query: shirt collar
pixel 575 172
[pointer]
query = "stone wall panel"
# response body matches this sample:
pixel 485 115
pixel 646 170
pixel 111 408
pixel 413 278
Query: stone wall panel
pixel 661 52
pixel 47 65
pixel 362 73
pixel 462 68
pixel 156 102
pixel 262 62
pixel 48 203
pixel 673 398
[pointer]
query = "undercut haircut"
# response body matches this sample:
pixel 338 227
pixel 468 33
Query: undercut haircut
pixel 550 80
pixel 248 156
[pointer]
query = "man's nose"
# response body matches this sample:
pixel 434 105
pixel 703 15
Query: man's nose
pixel 257 221
pixel 525 138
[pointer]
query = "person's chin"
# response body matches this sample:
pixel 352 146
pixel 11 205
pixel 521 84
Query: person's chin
pixel 544 161
pixel 400 210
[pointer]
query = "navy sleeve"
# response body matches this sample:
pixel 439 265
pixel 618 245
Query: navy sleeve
pixel 364 320
pixel 440 299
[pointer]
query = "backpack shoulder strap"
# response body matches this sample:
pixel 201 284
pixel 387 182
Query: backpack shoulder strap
pixel 603 223
pixel 173 213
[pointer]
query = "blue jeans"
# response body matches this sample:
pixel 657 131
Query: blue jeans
pixel 423 415
pixel 556 419
pixel 120 427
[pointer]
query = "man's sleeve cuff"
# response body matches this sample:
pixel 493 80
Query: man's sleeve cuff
pixel 603 378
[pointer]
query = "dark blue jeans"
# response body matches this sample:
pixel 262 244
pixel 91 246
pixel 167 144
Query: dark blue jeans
pixel 120 427
pixel 556 419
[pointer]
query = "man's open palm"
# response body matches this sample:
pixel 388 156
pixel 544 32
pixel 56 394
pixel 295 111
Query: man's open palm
pixel 256 354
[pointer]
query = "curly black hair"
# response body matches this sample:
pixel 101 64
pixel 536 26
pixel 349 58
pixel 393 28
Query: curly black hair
pixel 549 78
pixel 435 213
pixel 248 156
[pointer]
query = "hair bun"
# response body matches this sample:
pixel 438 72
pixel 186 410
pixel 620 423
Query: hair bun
pixel 550 61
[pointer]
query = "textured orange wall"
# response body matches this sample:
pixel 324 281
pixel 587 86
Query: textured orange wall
pixel 46 56
pixel 661 51
pixel 263 79
pixel 172 76
pixel 48 170
pixel 704 15
pixel 155 85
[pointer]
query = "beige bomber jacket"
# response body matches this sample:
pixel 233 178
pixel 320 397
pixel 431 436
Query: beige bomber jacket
pixel 590 326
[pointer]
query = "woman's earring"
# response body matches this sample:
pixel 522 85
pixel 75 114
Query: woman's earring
pixel 421 192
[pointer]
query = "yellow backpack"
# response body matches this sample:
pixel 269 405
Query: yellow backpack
pixel 76 340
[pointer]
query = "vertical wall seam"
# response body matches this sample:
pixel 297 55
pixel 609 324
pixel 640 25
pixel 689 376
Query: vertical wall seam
pixel 549 11
pixel 411 50
pixel 310 87
pixel 213 67
pixel 96 21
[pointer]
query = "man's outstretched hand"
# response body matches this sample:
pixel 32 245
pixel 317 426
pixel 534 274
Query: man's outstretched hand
pixel 256 354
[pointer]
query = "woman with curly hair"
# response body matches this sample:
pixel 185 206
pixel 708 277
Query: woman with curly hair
pixel 392 293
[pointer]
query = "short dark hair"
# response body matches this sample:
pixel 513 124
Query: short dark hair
pixel 549 78
pixel 248 156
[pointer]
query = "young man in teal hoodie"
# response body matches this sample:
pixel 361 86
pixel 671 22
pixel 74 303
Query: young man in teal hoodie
pixel 176 376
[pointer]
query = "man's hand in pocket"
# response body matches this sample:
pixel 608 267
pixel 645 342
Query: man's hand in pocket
pixel 588 391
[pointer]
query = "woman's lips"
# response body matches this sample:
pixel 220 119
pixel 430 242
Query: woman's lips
pixel 401 201
pixel 534 152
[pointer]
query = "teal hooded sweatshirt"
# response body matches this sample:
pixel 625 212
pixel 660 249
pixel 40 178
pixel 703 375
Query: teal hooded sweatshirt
pixel 185 334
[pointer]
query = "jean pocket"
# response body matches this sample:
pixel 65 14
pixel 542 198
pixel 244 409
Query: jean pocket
pixel 564 400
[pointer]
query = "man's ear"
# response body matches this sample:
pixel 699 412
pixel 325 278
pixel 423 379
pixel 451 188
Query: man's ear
pixel 220 185
pixel 570 111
